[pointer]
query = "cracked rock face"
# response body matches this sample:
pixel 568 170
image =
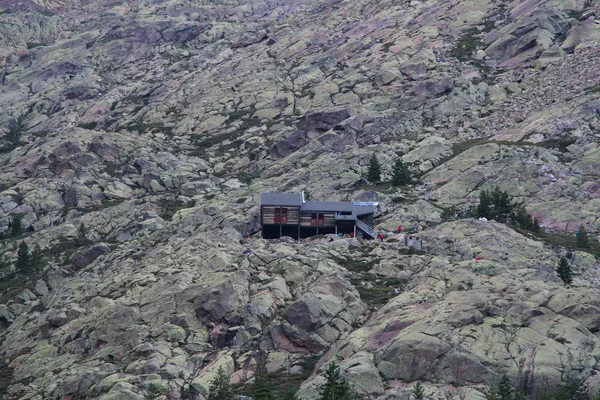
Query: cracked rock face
pixel 137 137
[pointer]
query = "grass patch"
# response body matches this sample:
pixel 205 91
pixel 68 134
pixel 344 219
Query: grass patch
pixel 560 144
pixel 41 134
pixel 408 251
pixel 381 292
pixel 113 169
pixel 63 251
pixel 6 374
pixel 204 144
pixel 459 148
pixel 355 265
pixel 240 114
pixel 317 237
pixel 247 178
pixel 592 89
pixel 401 200
pixel 33 45
pixel 577 14
pixel 13 284
pixel 152 127
pixel 568 241
pixel 381 187
pixel 386 47
pixel 170 206
pixel 88 125
pixel 469 43
pixel 107 204
pixel 448 213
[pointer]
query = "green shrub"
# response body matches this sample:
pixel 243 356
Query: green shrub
pixel 23 262
pixel 16 225
pixel 37 261
pixel 261 389
pixel 417 391
pixel 564 271
pixel 219 388
pixel 15 130
pixel 583 240
pixel 374 171
pixel 153 392
pixel 400 173
pixel 336 387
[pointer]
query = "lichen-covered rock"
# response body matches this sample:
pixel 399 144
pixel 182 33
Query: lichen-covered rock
pixel 135 146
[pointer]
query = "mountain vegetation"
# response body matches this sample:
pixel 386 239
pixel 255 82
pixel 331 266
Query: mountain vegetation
pixel 136 138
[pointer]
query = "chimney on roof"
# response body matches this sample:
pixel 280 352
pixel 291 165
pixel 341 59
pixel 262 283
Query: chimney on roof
pixel 303 201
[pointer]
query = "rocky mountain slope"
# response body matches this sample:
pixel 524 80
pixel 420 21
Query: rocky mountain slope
pixel 138 136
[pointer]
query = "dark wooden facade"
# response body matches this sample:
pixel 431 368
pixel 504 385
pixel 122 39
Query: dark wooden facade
pixel 298 219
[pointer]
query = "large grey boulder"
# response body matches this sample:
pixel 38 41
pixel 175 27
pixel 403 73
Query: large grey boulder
pixel 289 145
pixel 220 302
pixel 323 121
pixel 85 257
pixel 328 309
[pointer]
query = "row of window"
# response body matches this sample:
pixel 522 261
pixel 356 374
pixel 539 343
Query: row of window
pixel 316 219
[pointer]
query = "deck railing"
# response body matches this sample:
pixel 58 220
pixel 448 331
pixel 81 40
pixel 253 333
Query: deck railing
pixel 366 229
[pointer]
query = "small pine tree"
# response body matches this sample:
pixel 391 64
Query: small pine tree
pixel 4 267
pixel 15 129
pixel 290 395
pixel 153 392
pixel 484 209
pixel 502 204
pixel 16 225
pixel 400 173
pixel 82 234
pixel 519 396
pixel 37 258
pixel 335 386
pixel 492 395
pixel 23 262
pixel 260 388
pixel 571 388
pixel 418 392
pixel 582 238
pixel 307 195
pixel 536 225
pixel 495 204
pixel 564 271
pixel 374 171
pixel 219 388
pixel 505 390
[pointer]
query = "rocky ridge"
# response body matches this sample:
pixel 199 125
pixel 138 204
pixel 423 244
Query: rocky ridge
pixel 157 124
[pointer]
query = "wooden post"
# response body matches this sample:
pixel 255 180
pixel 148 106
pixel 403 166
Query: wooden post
pixel 355 229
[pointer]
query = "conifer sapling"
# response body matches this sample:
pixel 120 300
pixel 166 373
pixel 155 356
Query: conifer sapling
pixel 374 171
pixel 564 271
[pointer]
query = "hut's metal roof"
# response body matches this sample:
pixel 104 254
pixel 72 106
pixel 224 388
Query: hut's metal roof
pixel 281 199
pixel 292 199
